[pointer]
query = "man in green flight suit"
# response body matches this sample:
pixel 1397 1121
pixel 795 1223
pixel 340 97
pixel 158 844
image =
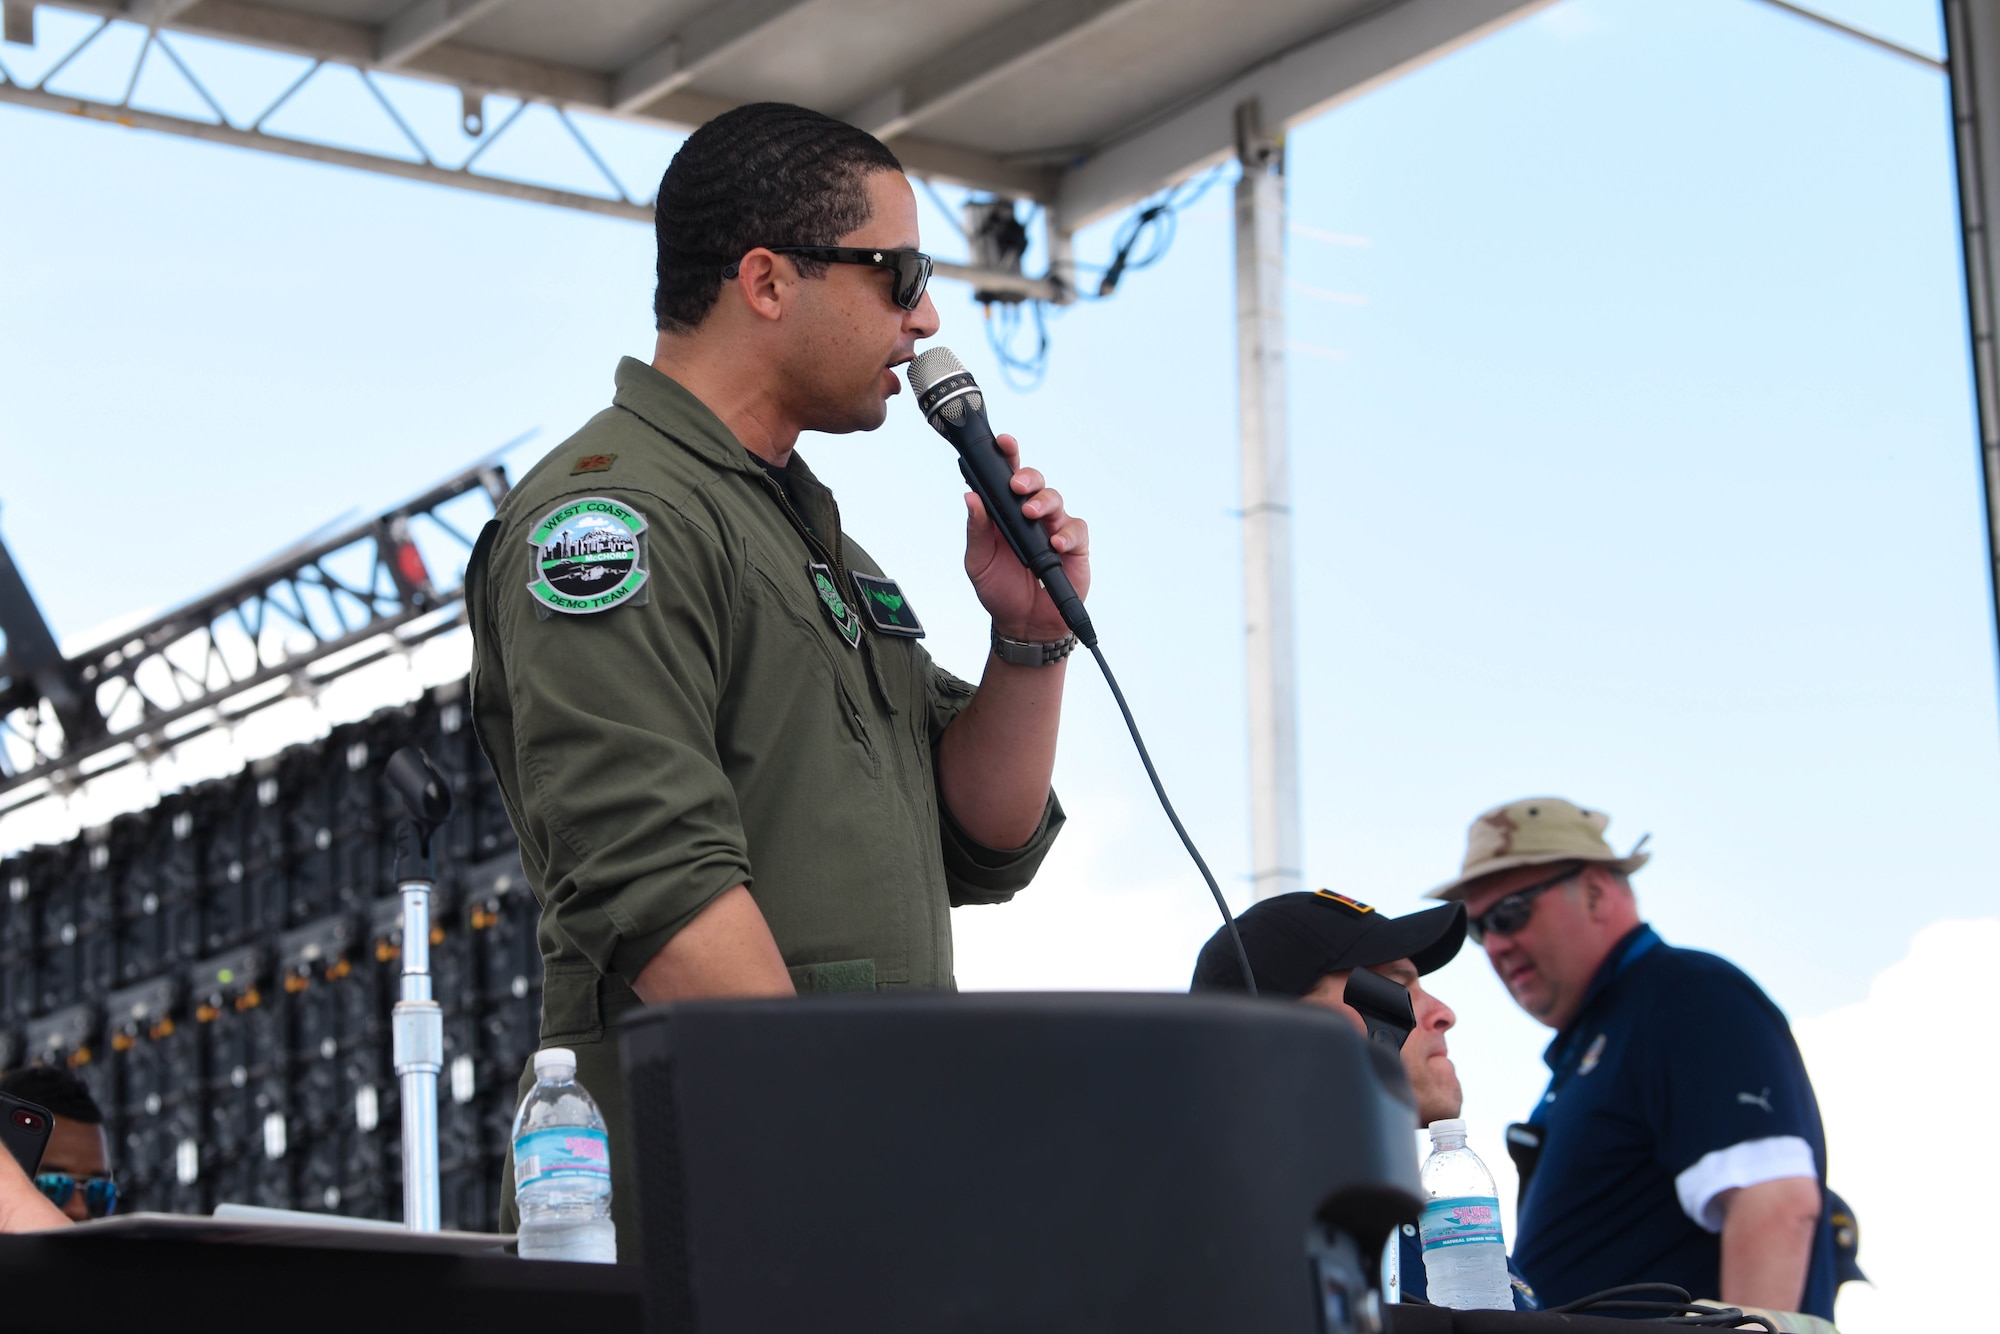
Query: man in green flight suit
pixel 733 769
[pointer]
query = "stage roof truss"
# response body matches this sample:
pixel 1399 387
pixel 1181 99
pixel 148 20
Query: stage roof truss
pixel 1081 106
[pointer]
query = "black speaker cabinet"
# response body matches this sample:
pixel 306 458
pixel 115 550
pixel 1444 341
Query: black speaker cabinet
pixel 1045 1162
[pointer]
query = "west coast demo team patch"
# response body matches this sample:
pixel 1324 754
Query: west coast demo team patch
pixel 588 556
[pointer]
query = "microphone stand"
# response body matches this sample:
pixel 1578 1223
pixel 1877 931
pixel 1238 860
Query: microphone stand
pixel 416 1023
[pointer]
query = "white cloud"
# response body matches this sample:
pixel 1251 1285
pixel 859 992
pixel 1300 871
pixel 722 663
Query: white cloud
pixel 1906 1080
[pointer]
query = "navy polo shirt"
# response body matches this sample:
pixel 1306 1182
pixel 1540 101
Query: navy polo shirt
pixel 1675 1056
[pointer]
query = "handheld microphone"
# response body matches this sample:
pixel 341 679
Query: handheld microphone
pixel 951 402
pixel 1384 1006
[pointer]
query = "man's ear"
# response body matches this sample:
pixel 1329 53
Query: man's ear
pixel 1593 892
pixel 763 281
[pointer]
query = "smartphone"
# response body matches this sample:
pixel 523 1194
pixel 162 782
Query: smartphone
pixel 26 1129
pixel 1384 1007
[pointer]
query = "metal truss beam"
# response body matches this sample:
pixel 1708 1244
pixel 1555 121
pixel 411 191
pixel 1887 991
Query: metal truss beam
pixel 1292 87
pixel 977 61
pixel 985 280
pixel 257 141
pixel 471 70
pixel 303 618
pixel 936 162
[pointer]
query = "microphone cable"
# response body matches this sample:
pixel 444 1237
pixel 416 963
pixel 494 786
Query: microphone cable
pixel 951 401
pixel 1160 791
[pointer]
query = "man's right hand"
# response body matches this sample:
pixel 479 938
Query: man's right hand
pixel 727 950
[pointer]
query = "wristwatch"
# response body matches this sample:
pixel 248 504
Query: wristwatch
pixel 1031 653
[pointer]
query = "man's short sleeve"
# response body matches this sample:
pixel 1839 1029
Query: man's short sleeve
pixel 973 872
pixel 1729 1102
pixel 613 718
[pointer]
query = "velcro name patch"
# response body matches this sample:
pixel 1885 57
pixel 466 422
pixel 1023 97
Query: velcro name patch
pixel 883 604
pixel 1355 906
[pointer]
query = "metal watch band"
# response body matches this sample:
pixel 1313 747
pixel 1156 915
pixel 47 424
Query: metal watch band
pixel 1031 653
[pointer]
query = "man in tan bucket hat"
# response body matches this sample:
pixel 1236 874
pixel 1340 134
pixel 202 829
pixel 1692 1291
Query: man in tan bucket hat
pixel 1538 831
pixel 1679 1140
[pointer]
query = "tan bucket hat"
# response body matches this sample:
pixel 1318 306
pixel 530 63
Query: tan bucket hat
pixel 1536 831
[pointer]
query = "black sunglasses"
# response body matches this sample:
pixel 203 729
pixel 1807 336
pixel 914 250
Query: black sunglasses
pixel 100 1194
pixel 911 267
pixel 1512 913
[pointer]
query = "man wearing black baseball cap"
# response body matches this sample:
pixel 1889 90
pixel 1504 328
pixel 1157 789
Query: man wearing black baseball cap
pixel 1307 945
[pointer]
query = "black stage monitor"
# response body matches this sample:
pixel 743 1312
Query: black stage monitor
pixel 938 1163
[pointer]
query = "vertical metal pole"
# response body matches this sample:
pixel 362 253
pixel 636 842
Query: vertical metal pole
pixel 1267 509
pixel 417 1029
pixel 1972 48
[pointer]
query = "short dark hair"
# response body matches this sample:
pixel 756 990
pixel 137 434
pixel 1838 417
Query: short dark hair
pixel 767 174
pixel 55 1090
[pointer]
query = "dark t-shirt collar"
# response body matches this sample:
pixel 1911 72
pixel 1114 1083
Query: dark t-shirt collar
pixel 782 476
pixel 1631 947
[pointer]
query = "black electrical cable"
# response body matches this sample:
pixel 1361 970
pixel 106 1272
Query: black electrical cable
pixel 1677 1308
pixel 1156 220
pixel 1657 1291
pixel 1022 373
pixel 1228 918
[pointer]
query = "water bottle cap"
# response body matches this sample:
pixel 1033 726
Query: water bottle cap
pixel 557 1063
pixel 1439 1129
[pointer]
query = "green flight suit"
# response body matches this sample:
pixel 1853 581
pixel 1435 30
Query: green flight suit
pixel 713 725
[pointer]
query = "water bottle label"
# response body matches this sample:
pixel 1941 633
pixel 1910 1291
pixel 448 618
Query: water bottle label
pixel 561 1151
pixel 1461 1220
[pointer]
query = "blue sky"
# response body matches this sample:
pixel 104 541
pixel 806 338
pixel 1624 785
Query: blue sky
pixel 1642 472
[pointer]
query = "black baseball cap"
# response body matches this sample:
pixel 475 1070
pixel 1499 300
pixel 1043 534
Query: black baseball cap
pixel 1294 940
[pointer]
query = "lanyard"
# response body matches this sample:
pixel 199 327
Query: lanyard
pixel 1641 943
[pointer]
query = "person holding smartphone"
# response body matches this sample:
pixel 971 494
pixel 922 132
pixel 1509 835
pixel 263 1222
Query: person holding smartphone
pixel 75 1172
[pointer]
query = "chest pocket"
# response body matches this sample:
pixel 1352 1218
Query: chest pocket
pixel 792 631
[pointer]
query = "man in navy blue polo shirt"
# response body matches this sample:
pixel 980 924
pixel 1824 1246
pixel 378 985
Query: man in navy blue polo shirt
pixel 1679 1140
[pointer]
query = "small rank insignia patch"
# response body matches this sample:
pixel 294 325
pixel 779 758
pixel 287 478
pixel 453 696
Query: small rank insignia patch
pixel 883 603
pixel 842 615
pixel 588 556
pixel 593 463
pixel 1354 905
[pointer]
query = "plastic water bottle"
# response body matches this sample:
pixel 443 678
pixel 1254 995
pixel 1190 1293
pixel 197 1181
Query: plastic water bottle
pixel 562 1168
pixel 1465 1258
